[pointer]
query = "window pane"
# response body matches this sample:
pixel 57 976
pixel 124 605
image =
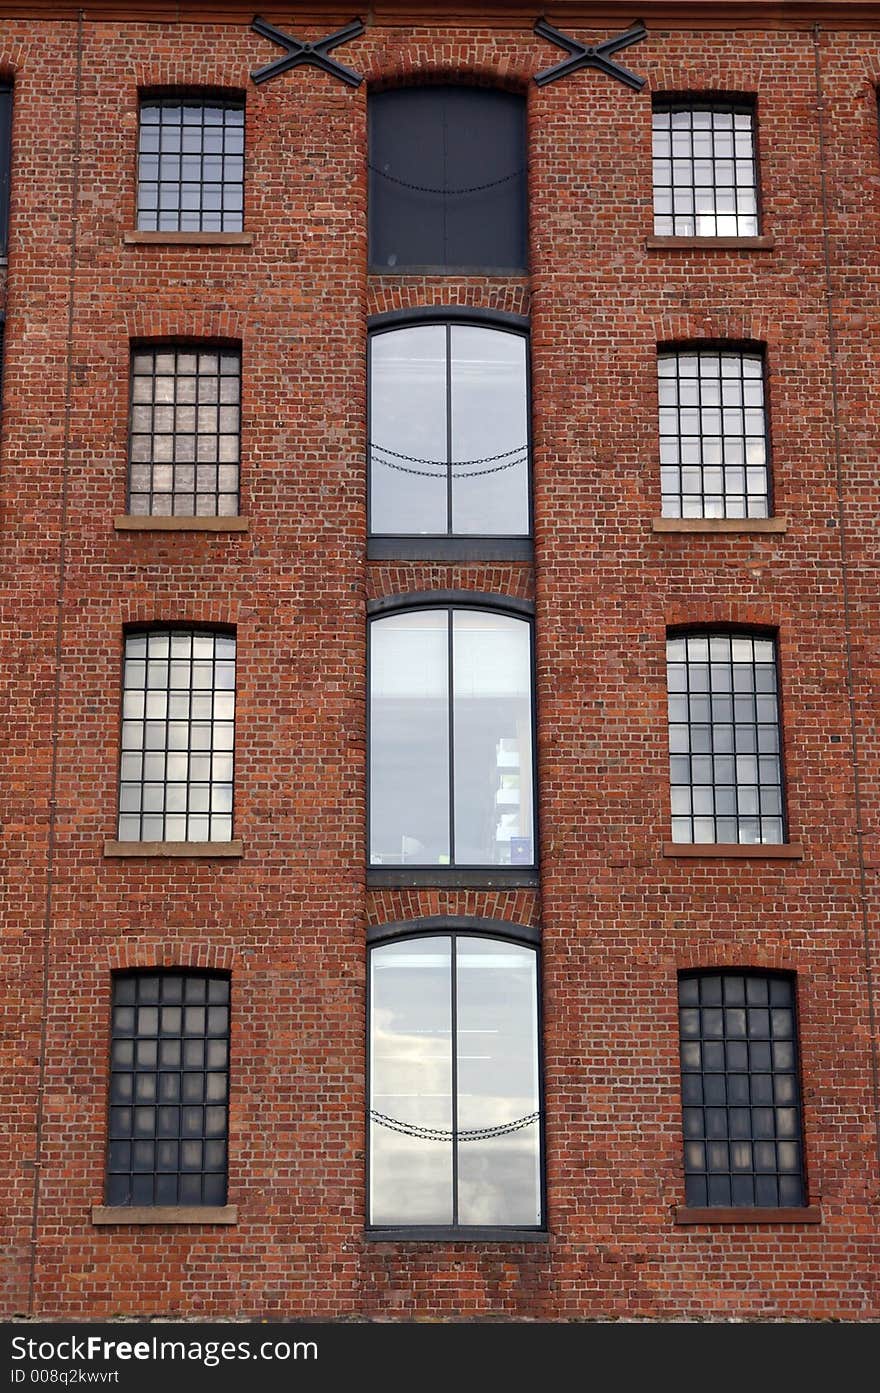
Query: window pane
pixel 747 1153
pixel 145 1141
pixel 490 432
pixel 493 740
pixel 181 144
pixel 709 184
pixel 499 1178
pixel 408 418
pixel 409 740
pixel 411 1082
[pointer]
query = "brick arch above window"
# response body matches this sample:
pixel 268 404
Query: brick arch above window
pixel 224 326
pixel 194 956
pixel 420 67
pixel 479 926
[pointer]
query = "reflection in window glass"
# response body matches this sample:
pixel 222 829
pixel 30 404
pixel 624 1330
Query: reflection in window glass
pixel 705 180
pixel 449 450
pixel 740 1090
pixel 454 1085
pixel 459 791
pixel 724 739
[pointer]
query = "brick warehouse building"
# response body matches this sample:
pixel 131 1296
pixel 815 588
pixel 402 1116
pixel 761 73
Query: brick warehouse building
pixel 622 433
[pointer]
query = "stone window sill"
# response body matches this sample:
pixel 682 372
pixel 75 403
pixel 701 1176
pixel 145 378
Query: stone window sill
pixel 778 851
pixel 128 523
pixel 732 525
pixel 720 244
pixel 809 1214
pixel 188 239
pixel 452 877
pixel 103 1214
pixel 450 1234
pixel 171 849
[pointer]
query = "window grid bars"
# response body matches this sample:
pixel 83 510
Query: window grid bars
pixel 741 1107
pixel 191 165
pixel 714 433
pixel 184 432
pixel 725 740
pixel 705 180
pixel 169 1090
pixel 201 793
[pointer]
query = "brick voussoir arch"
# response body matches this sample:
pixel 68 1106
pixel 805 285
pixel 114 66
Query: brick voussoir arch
pixel 149 953
pixel 470 66
pixel 170 613
pixel 722 325
pixel 700 614
pixel 13 60
pixel 145 322
pixel 165 77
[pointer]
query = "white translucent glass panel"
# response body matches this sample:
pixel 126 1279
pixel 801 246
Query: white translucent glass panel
pixel 449 432
pixel 456 791
pixel 454 1056
pixel 705 175
pixel 409 739
pixel 178 736
pixel 411 1082
pixel 713 434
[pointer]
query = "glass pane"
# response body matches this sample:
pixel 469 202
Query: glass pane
pixel 499 1178
pixel 409 740
pixel 410 1082
pixel 490 432
pixel 494 816
pixel 408 439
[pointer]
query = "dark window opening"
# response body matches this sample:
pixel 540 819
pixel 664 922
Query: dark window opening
pixel 448 180
pixel 5 162
pixel 169 1089
pixel 743 1143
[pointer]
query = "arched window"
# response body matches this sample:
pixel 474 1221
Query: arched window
pixel 743 1143
pixel 448 180
pixel 449 430
pixel 455 1093
pixel 451 736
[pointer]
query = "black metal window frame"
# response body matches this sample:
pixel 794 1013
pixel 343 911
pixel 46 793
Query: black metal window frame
pixel 150 219
pixel 746 1086
pixel 164 1091
pixel 735 103
pixel 463 926
pixel 196 490
pixel 450 545
pixel 7 92
pixel 729 632
pixel 169 630
pixel 452 874
pixel 742 349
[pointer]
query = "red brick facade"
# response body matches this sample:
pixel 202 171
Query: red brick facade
pixel 288 918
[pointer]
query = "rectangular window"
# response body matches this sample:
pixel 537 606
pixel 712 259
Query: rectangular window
pixel 178 733
pixel 185 436
pixel 724 739
pixel 190 165
pixel 714 440
pixel 169 1089
pixel 705 169
pixel 743 1142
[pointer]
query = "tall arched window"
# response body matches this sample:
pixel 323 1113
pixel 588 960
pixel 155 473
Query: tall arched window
pixel 455 1094
pixel 448 181
pixel 451 736
pixel 449 430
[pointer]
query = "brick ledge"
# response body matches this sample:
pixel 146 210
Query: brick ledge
pixel 129 523
pixel 722 244
pixel 778 851
pixel 103 1214
pixel 809 1214
pixel 188 239
pixel 732 525
pixel 169 849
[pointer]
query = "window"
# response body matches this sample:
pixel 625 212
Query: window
pixel 449 431
pixel 724 738
pixel 740 1094
pixel 169 1089
pixel 178 728
pixel 5 162
pixel 451 776
pixel 455 1126
pixel 714 442
pixel 190 165
pixel 185 431
pixel 447 180
pixel 705 169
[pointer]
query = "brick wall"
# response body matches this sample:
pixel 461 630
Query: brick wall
pixel 288 918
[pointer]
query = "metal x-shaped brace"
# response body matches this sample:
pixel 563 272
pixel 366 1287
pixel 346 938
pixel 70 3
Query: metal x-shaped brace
pixel 299 53
pixel 590 56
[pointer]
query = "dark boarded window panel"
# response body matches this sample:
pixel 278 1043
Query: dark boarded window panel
pixel 743 1143
pixel 5 161
pixel 169 1089
pixel 448 182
